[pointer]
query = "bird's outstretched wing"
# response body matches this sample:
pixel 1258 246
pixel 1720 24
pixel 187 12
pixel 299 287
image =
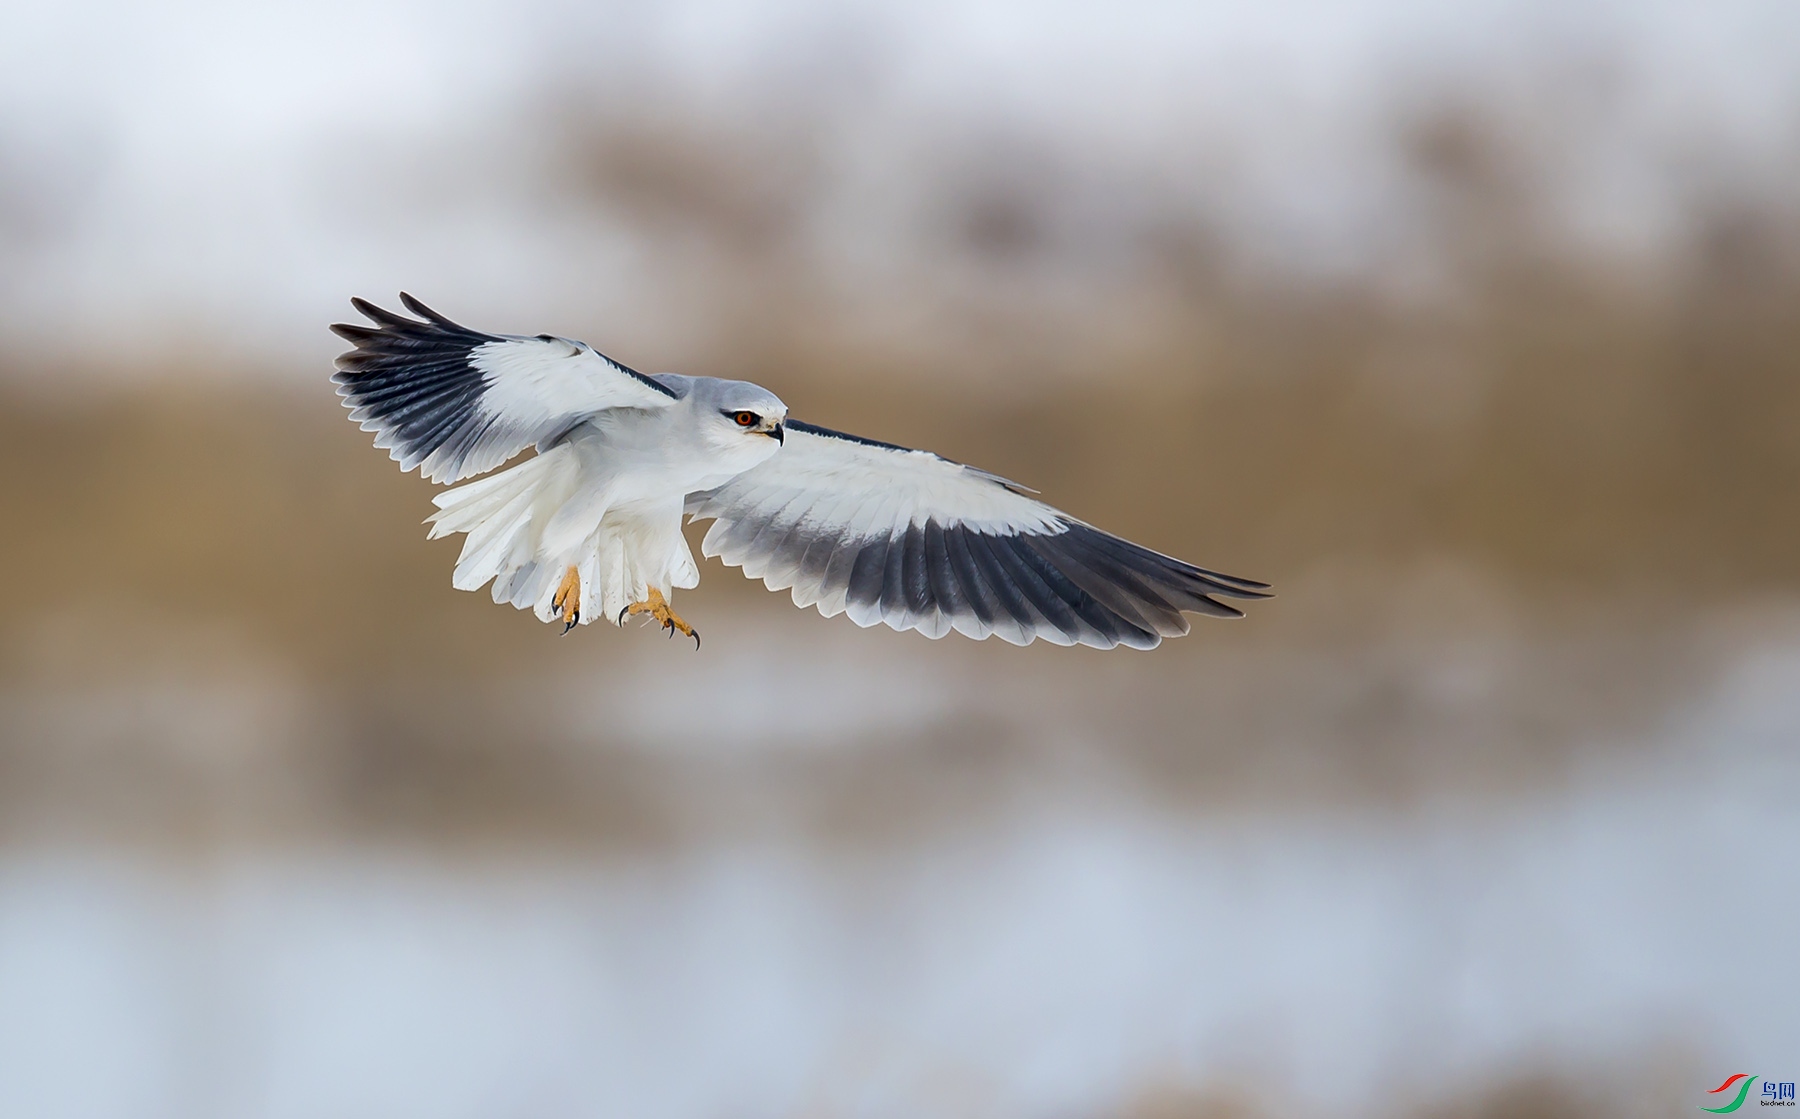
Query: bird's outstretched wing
pixel 887 534
pixel 458 402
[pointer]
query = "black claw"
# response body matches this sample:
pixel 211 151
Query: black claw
pixel 622 614
pixel 570 624
pixel 696 641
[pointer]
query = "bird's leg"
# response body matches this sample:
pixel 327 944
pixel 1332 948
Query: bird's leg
pixel 568 598
pixel 657 607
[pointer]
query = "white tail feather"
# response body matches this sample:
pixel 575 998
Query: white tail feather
pixel 515 539
pixel 503 516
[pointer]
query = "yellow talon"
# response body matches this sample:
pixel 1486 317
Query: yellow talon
pixel 568 599
pixel 657 607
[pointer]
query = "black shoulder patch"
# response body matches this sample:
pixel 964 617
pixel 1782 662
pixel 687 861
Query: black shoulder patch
pixel 815 429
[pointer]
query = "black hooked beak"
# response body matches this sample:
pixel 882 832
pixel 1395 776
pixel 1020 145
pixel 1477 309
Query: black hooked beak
pixel 775 433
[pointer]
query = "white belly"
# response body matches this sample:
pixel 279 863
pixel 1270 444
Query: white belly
pixel 635 546
pixel 606 502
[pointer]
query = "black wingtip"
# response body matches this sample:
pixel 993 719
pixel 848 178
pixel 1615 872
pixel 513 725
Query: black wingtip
pixel 411 303
pixel 378 315
pixel 1223 609
pixel 1240 581
pixel 411 382
pixel 416 306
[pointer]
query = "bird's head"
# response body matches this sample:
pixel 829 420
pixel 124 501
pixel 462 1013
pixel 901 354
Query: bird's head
pixel 745 418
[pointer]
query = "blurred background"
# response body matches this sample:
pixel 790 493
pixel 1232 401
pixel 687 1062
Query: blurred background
pixel 1473 328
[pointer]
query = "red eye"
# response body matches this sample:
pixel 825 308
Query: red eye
pixel 745 419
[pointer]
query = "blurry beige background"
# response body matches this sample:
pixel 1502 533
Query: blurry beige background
pixel 1473 328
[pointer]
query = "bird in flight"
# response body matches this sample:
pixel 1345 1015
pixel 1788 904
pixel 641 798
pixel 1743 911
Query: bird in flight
pixel 591 525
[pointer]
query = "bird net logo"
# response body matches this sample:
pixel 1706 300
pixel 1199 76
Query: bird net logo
pixel 1736 1090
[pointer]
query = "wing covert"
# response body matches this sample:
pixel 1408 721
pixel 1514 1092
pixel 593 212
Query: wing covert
pixel 903 537
pixel 457 402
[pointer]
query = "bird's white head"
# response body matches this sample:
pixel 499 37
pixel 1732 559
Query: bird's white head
pixel 740 421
